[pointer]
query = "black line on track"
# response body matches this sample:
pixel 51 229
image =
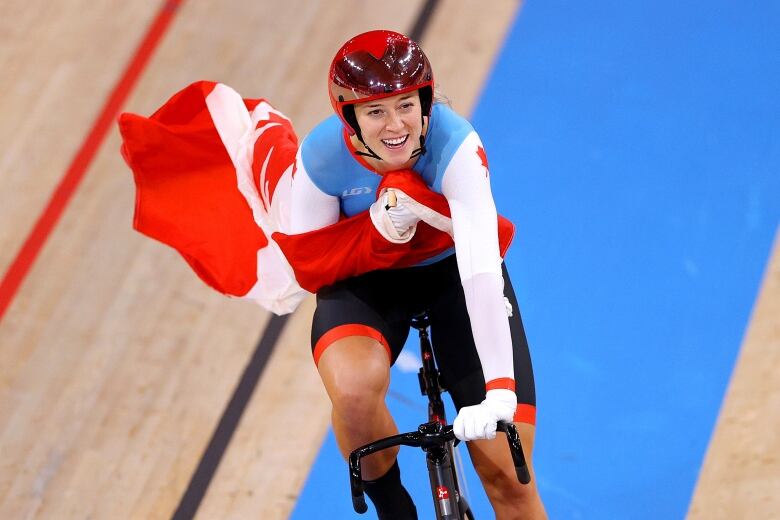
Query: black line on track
pixel 199 483
pixel 220 439
pixel 423 19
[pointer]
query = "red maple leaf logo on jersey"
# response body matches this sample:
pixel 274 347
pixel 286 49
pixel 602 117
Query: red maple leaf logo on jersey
pixel 483 157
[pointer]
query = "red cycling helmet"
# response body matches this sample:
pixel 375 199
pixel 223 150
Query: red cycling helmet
pixel 375 65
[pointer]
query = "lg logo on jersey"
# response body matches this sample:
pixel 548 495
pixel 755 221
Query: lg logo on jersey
pixel 356 191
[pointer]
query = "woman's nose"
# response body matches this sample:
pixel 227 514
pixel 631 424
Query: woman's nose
pixel 394 122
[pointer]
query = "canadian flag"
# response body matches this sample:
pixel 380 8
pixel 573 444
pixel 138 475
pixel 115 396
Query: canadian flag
pixel 213 173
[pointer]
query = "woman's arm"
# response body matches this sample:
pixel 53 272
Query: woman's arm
pixel 466 185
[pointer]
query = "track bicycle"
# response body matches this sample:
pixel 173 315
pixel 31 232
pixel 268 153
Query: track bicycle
pixel 437 440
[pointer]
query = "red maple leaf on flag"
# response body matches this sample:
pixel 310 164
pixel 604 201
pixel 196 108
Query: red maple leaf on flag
pixel 483 157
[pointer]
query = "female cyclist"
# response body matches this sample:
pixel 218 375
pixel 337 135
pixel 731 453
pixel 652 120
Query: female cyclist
pixel 206 154
pixel 381 87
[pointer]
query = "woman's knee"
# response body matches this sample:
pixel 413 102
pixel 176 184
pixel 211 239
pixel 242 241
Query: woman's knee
pixel 495 472
pixel 511 499
pixel 356 374
pixel 503 487
pixel 358 392
pixel 494 465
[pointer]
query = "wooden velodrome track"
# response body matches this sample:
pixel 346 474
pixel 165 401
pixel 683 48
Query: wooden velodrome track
pixel 117 363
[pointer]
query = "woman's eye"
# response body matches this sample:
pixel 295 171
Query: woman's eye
pixel 375 112
pixel 407 106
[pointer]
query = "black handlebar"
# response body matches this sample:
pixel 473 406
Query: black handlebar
pixel 518 457
pixel 428 435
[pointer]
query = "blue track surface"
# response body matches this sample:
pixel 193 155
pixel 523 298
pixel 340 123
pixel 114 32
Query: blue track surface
pixel 636 146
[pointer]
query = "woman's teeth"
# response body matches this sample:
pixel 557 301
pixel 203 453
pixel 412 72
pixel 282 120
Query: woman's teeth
pixel 396 142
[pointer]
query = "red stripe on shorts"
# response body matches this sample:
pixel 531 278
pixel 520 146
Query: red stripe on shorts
pixel 343 331
pixel 525 413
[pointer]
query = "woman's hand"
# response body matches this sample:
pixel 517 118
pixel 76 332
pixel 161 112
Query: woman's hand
pixel 396 222
pixel 479 421
pixel 402 217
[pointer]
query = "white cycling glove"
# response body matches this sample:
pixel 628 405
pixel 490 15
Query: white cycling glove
pixel 397 223
pixel 479 421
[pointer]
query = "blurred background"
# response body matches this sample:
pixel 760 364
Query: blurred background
pixel 635 147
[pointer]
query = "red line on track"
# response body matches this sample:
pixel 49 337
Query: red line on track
pixel 32 246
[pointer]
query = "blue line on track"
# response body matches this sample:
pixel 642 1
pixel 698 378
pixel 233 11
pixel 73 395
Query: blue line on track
pixel 636 146
pixel 639 155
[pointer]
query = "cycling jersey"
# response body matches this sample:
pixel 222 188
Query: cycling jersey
pixel 331 180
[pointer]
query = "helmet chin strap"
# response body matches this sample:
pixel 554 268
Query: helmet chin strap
pixel 421 150
pixel 371 153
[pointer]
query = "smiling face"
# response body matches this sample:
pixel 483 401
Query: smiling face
pixel 391 127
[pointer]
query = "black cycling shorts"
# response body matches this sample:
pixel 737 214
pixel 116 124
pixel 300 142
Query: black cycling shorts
pixel 381 304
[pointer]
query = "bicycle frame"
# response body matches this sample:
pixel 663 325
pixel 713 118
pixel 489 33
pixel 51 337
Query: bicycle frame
pixel 445 488
pixel 437 440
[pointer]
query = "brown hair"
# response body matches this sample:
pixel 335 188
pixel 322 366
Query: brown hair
pixel 439 97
